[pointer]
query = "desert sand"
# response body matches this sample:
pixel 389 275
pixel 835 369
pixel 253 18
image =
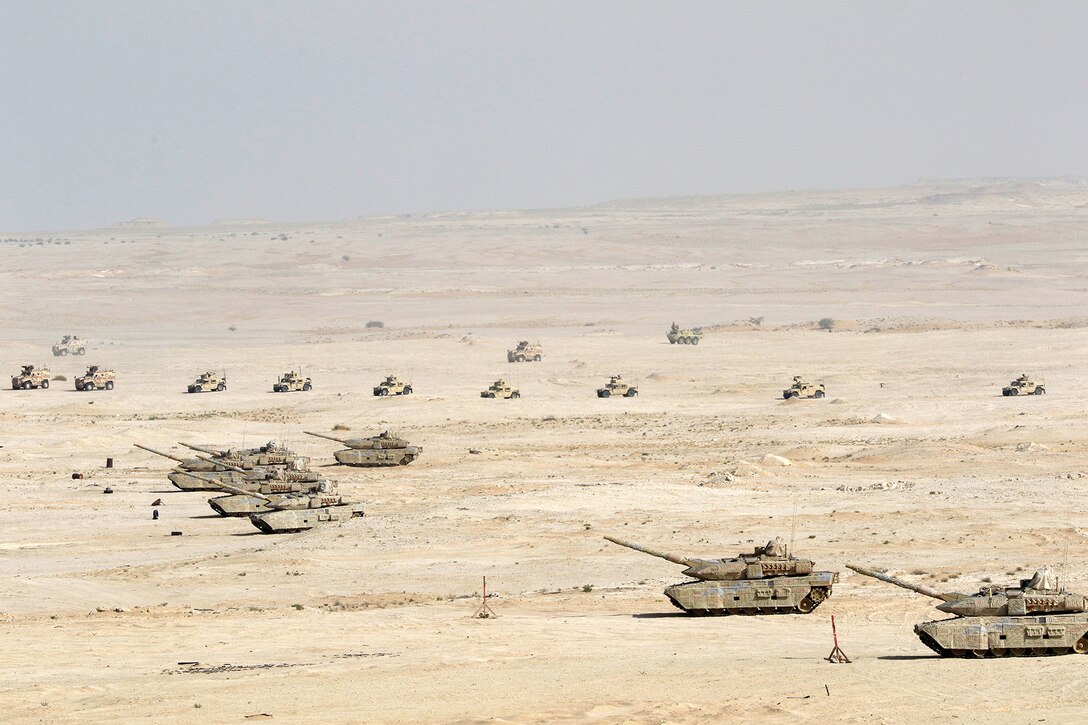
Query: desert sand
pixel 941 293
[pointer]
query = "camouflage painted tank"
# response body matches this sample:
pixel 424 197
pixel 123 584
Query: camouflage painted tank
pixel 243 501
pixel 767 581
pixel 220 470
pixel 1033 618
pixel 270 454
pixel 677 336
pixel 385 449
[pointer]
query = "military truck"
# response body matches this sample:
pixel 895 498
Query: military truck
pixel 803 389
pixel 291 382
pixel 616 385
pixel 30 377
pixel 96 379
pixel 525 352
pixel 677 336
pixel 1024 385
pixel 209 382
pixel 392 385
pixel 502 390
pixel 70 345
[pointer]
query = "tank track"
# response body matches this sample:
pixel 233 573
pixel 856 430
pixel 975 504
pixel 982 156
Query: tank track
pixel 928 641
pixel 746 611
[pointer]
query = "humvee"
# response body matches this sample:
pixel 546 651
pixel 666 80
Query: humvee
pixel 1024 385
pixel 70 345
pixel 290 382
pixel 392 385
pixel 501 389
pixel 208 382
pixel 525 352
pixel 96 379
pixel 684 337
pixel 30 377
pixel 617 386
pixel 803 389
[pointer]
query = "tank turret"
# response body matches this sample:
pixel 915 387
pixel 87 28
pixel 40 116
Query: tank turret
pixel 1036 616
pixel 766 581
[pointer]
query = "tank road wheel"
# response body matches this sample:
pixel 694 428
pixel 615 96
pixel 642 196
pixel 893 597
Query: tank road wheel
pixel 1038 651
pixel 978 654
pixel 1082 645
pixel 1040 391
pixel 1017 652
pixel 109 385
pixel 45 384
pixel 998 651
pixel 306 387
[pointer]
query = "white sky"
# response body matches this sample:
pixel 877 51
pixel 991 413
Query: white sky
pixel 192 111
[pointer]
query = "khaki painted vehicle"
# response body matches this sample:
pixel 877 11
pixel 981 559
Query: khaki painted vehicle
pixel 526 352
pixel 393 385
pixel 96 379
pixel 1024 385
pixel 70 345
pixel 768 581
pixel 383 450
pixel 270 454
pixel 254 475
pixel 616 385
pixel 245 500
pixel 1032 618
pixel 292 382
pixel 803 389
pixel 291 513
pixel 677 336
pixel 30 377
pixel 501 389
pixel 208 382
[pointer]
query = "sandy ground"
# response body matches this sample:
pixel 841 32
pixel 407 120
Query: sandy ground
pixel 942 292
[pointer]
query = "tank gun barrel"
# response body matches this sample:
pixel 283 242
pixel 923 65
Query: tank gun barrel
pixel 209 451
pixel 325 436
pixel 159 453
pixel 229 488
pixel 219 462
pixel 919 588
pixel 659 554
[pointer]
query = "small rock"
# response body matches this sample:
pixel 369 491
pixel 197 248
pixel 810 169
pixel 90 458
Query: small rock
pixel 474 451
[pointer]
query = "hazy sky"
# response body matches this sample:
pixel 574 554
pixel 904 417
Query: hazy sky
pixel 296 111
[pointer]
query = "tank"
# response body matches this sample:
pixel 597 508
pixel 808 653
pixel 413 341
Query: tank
pixel 678 336
pixel 803 389
pixel 96 379
pixel 502 390
pixel 290 513
pixel 246 500
pixel 1034 617
pixel 616 385
pixel 270 454
pixel 1024 385
pixel 768 581
pixel 31 377
pixel 224 470
pixel 208 382
pixel 393 385
pixel 291 382
pixel 385 449
pixel 525 352
pixel 70 345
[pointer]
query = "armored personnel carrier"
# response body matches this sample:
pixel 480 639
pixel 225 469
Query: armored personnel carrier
pixel 30 377
pixel 208 382
pixel 1035 617
pixel 1024 385
pixel 803 389
pixel 70 345
pixel 385 449
pixel 501 389
pixel 525 352
pixel 392 385
pixel 96 379
pixel 767 581
pixel 291 382
pixel 616 385
pixel 677 336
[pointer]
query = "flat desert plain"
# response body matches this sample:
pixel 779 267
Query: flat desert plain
pixel 914 463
